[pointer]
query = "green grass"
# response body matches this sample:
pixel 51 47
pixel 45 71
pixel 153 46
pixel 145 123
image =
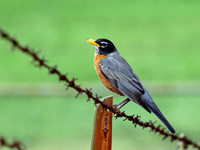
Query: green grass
pixel 42 122
pixel 159 39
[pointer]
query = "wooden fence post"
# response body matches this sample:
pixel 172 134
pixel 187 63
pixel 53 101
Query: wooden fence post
pixel 102 129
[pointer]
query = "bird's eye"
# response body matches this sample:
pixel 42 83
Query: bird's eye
pixel 104 44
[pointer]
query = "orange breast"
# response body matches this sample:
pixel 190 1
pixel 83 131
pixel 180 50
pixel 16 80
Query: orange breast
pixel 103 79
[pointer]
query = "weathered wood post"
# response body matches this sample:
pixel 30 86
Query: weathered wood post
pixel 102 129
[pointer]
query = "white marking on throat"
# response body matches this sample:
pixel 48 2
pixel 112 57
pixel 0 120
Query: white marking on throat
pixel 96 49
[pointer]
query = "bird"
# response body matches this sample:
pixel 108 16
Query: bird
pixel 118 76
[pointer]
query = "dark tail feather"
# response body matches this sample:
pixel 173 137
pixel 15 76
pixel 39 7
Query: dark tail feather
pixel 157 112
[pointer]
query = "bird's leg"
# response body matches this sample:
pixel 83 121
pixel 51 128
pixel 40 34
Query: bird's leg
pixel 121 104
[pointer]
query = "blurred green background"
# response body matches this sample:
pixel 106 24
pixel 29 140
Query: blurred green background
pixel 159 39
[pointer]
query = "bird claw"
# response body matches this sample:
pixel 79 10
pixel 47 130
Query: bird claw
pixel 116 108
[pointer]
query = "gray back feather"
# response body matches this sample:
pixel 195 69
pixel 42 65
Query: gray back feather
pixel 122 77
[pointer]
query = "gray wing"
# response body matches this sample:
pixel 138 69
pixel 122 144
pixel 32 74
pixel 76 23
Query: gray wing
pixel 122 77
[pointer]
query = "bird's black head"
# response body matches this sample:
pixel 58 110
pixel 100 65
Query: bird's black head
pixel 103 46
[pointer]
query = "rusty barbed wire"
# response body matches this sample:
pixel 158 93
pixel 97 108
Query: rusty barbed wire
pixel 15 145
pixel 71 83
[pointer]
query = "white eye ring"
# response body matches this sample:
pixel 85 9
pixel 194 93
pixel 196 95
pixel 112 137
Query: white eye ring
pixel 104 44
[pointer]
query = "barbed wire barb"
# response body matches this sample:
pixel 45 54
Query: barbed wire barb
pixel 14 145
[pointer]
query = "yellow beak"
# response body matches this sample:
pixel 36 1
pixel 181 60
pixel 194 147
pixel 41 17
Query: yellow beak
pixel 93 42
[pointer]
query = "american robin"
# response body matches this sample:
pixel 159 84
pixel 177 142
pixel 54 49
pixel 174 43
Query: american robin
pixel 117 75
